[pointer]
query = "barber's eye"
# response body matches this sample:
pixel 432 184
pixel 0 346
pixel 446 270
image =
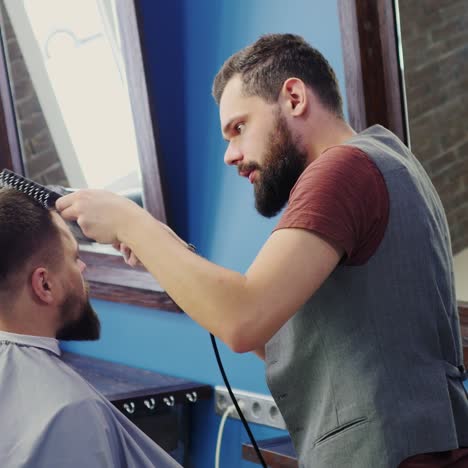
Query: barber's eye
pixel 239 127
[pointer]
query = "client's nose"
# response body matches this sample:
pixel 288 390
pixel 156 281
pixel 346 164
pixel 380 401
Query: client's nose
pixel 82 265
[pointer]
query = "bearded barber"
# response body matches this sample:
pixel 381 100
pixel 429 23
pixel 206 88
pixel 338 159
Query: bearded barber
pixel 362 349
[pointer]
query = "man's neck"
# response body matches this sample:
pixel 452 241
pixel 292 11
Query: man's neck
pixel 335 135
pixel 24 331
pixel 24 324
pixel 326 130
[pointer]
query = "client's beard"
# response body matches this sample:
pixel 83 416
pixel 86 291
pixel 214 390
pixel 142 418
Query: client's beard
pixel 86 327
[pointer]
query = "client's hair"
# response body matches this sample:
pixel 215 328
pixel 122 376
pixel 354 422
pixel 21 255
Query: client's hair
pixel 27 234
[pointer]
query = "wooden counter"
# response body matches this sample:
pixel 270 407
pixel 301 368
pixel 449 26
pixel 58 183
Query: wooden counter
pixel 277 452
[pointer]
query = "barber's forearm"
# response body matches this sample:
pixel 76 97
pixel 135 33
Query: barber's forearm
pixel 215 297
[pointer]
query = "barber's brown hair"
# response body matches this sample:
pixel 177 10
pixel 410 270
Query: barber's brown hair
pixel 27 232
pixel 267 63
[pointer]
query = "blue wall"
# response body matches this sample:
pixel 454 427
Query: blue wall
pixel 208 204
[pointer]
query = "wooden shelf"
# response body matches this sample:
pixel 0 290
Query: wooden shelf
pixel 160 405
pixel 124 384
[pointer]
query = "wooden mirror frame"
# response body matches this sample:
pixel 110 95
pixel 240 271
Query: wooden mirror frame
pixel 108 275
pixel 374 80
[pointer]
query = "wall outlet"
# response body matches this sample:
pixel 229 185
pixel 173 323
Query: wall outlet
pixel 257 408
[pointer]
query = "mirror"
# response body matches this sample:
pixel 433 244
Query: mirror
pixel 418 91
pixel 76 114
pixel 70 95
pixel 434 55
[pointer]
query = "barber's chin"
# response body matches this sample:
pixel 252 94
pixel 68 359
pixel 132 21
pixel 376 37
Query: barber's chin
pixel 86 328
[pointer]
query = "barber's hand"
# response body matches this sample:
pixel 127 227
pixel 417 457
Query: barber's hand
pixel 100 214
pixel 132 260
pixel 127 253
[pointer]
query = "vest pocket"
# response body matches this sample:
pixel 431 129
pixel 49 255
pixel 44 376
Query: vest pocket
pixel 340 430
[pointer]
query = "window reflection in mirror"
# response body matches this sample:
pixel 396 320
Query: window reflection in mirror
pixel 434 46
pixel 70 94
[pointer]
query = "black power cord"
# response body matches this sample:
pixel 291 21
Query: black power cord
pixel 233 398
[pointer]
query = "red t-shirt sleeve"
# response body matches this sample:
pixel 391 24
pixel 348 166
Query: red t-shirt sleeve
pixel 342 196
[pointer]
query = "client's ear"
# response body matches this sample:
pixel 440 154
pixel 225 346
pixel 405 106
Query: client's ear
pixel 41 285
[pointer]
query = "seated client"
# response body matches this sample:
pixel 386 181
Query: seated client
pixel 51 417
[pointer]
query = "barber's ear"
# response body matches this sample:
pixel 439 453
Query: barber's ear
pixel 294 96
pixel 41 285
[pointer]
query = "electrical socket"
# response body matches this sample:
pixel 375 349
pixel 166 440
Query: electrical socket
pixel 257 408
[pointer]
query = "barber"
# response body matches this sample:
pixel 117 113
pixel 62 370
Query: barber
pixel 350 301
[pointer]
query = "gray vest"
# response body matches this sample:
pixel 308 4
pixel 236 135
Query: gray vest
pixel 369 371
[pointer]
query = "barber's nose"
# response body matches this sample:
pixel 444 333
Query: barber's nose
pixel 233 155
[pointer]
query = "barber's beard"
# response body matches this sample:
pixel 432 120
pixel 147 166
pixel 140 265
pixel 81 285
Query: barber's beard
pixel 284 162
pixel 86 327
